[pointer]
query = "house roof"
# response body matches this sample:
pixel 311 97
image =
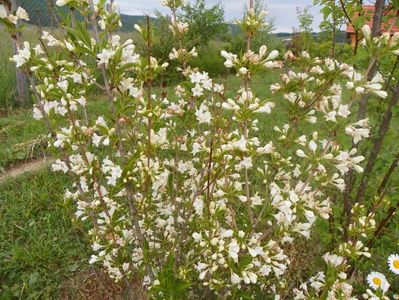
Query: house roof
pixel 368 13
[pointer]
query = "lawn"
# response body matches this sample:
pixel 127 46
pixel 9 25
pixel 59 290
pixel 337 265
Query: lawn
pixel 40 246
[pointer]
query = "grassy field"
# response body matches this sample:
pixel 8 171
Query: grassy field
pixel 40 246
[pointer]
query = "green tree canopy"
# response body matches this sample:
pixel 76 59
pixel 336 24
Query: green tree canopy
pixel 204 22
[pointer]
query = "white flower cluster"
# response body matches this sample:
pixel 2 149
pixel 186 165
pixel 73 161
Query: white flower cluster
pixel 19 14
pixel 249 59
pixel 199 177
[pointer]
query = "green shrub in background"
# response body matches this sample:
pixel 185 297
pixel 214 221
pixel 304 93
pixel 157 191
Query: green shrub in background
pixel 323 49
pixel 210 60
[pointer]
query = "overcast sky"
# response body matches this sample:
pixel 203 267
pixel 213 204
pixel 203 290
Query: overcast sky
pixel 283 11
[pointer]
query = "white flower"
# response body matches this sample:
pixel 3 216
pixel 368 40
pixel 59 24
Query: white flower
pixel 366 31
pixel 382 94
pixel 272 55
pixel 63 85
pixel 13 19
pixel 313 146
pixel 358 130
pixel 377 280
pixel 22 14
pixel 101 122
pixel 59 165
pixel 23 55
pixel 344 111
pixel 300 153
pixel 333 259
pixel 62 2
pixel 198 206
pixel 37 114
pixel 197 90
pixel 235 279
pixel 105 56
pixel 3 12
pixel 197 237
pixel 203 115
pixel 241 144
pixel 246 163
pixel 138 28
pixel 243 71
pixel 233 250
pixel 262 50
pixel 393 263
pixel 266 108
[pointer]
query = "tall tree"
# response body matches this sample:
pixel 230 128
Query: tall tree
pixel 205 22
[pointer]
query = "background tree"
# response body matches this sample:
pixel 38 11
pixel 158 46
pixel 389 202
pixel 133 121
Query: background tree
pixel 303 40
pixel 205 23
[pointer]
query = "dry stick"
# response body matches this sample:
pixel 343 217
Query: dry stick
pixel 384 183
pixel 20 76
pixel 381 193
pixel 357 40
pixel 383 224
pixel 382 133
pixel 149 87
pixel 350 180
pixel 377 146
pixel 334 30
pixel 345 11
pixel 382 189
pixel 246 82
pixel 209 179
pixel 377 22
pixel 85 114
pixel 129 191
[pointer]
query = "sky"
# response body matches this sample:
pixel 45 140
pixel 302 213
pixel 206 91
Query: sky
pixel 283 11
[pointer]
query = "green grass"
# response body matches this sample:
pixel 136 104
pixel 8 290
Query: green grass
pixel 39 246
pixel 21 138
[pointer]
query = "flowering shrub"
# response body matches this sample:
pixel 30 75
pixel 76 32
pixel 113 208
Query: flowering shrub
pixel 181 190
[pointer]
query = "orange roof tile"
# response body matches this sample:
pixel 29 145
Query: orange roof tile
pixel 368 12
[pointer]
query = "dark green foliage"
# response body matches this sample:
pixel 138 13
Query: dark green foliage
pixel 204 23
pixel 210 60
pixel 170 287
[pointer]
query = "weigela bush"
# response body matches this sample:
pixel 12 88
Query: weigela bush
pixel 201 192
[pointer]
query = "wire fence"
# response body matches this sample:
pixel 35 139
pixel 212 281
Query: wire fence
pixel 46 14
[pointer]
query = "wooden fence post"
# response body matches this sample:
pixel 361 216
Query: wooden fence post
pixel 22 95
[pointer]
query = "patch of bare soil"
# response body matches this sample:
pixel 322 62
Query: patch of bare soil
pixel 95 284
pixel 26 167
pixel 91 285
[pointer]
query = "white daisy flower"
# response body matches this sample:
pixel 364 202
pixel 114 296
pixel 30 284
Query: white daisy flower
pixel 393 263
pixel 377 280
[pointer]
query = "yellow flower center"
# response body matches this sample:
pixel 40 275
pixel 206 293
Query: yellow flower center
pixel 396 264
pixel 377 281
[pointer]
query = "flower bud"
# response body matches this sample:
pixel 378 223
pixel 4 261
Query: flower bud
pixel 138 28
pixel 366 32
